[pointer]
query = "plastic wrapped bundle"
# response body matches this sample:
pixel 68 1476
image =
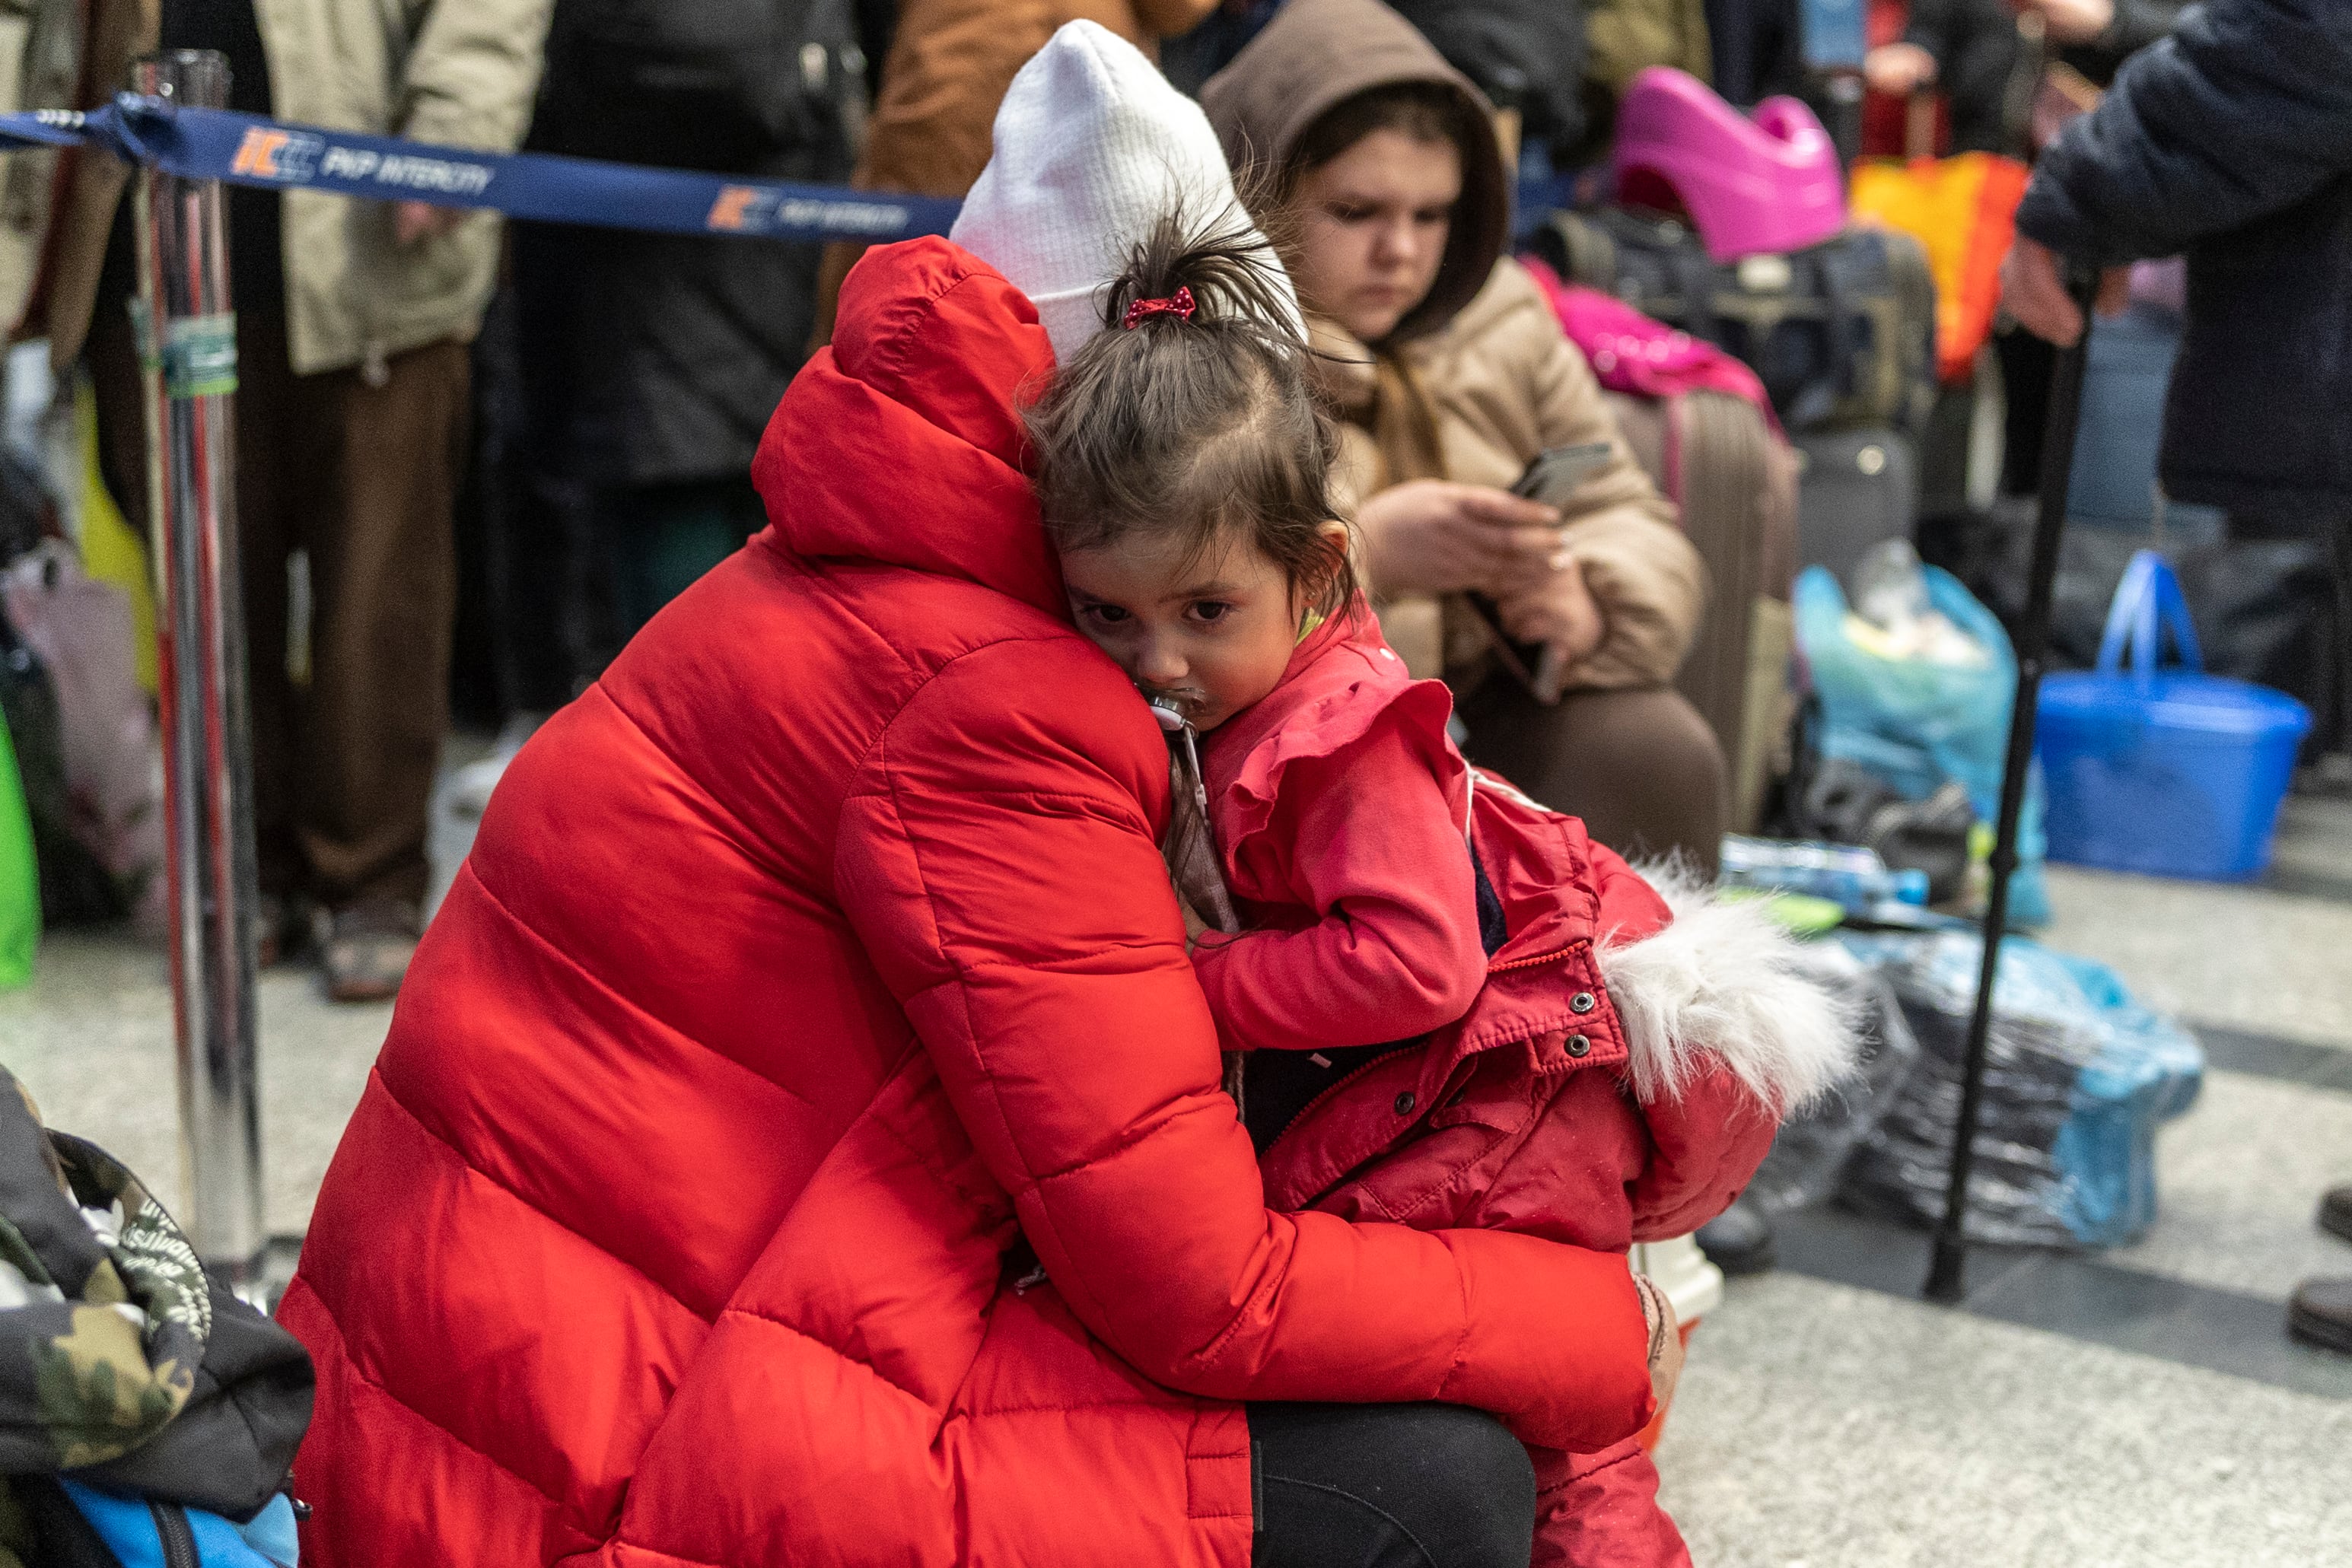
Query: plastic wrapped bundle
pixel 2077 1078
pixel 1809 1159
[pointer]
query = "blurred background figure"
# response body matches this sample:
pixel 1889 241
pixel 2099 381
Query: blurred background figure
pixel 649 363
pixel 1623 37
pixel 2230 141
pixel 1966 49
pixel 352 325
pixel 2095 37
pixel 949 64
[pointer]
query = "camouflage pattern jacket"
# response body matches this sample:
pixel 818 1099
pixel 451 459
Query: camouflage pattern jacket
pixel 120 1360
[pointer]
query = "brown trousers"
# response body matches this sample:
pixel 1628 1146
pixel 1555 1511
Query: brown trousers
pixel 364 479
pixel 1640 767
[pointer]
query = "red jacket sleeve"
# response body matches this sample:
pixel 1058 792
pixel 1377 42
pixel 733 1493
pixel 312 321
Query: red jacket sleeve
pixel 1372 849
pixel 997 858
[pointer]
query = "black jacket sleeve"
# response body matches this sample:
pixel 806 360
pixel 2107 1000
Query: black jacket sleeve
pixel 2242 111
pixel 1976 50
pixel 2138 24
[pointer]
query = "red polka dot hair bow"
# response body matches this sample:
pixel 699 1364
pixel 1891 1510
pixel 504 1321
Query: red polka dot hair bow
pixel 1179 305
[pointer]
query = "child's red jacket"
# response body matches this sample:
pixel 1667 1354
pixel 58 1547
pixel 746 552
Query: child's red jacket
pixel 1612 1073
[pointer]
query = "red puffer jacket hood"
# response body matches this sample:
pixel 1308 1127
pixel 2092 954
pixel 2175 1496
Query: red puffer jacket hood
pixel 817 956
pixel 903 445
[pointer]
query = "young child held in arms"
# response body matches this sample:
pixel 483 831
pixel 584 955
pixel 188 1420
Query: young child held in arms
pixel 1456 1010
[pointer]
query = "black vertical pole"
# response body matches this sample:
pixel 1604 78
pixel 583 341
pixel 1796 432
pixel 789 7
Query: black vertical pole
pixel 1944 1275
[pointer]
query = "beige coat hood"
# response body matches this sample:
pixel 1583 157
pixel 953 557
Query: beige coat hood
pixel 1315 56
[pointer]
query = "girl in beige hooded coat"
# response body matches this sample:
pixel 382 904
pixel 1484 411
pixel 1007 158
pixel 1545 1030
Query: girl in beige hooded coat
pixel 1446 405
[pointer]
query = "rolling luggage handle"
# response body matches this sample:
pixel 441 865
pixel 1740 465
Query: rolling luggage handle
pixel 2148 603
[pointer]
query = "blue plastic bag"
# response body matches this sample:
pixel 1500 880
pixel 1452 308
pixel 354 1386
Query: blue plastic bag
pixel 131 1530
pixel 2079 1076
pixel 1917 725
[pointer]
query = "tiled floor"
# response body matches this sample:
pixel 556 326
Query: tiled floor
pixel 2072 1413
pixel 2136 1409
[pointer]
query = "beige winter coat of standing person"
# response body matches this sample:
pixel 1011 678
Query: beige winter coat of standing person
pixel 460 73
pixel 457 74
pixel 355 321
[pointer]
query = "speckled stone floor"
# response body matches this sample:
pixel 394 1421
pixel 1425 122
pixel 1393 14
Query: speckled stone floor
pixel 1820 1424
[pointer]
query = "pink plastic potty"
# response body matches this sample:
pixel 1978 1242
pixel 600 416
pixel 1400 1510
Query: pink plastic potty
pixel 1770 184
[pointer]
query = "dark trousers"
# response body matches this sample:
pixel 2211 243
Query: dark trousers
pixel 1641 768
pixel 1389 1486
pixel 362 477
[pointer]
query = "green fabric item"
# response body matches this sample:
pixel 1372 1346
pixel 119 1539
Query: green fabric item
pixel 666 536
pixel 1797 914
pixel 20 876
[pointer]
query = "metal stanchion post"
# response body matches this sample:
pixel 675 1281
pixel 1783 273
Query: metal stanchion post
pixel 188 344
pixel 1947 1267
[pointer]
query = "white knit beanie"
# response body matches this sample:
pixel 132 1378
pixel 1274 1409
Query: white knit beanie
pixel 1092 148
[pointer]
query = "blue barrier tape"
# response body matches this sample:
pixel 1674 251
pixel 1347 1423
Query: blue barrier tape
pixel 248 150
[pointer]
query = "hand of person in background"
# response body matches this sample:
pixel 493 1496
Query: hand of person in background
pixel 1898 70
pixel 1428 536
pixel 415 221
pixel 2033 290
pixel 1560 614
pixel 2074 21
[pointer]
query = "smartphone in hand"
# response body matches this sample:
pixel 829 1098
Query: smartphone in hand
pixel 1552 477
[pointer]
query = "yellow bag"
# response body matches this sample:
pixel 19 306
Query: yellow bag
pixel 111 549
pixel 1964 210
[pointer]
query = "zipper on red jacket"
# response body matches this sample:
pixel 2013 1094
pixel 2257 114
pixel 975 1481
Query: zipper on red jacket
pixel 1527 963
pixel 1530 963
pixel 1334 1089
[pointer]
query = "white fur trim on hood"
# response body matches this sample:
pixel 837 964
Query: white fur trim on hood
pixel 1091 147
pixel 1724 982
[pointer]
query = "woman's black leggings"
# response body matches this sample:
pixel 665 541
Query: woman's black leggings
pixel 1389 1486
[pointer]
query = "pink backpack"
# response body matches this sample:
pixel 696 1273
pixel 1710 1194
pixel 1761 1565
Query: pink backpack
pixel 1634 353
pixel 81 630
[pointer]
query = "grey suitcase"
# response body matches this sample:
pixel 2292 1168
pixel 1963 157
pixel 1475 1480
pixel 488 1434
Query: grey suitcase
pixel 1857 488
pixel 1735 483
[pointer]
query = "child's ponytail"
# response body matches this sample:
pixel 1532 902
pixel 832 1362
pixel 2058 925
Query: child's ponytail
pixel 1192 412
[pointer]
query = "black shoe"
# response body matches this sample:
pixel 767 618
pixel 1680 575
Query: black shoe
pixel 281 930
pixel 2320 1314
pixel 1739 1241
pixel 2336 1212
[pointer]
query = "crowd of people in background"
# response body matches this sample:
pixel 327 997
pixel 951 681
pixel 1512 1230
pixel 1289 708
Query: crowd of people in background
pixel 477 458
pixel 608 1259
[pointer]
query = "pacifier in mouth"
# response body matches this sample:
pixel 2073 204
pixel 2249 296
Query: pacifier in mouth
pixel 1169 707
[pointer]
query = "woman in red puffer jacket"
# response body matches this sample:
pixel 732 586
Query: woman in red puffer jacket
pixel 816 957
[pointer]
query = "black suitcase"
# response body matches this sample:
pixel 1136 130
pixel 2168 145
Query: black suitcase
pixel 1842 333
pixel 1858 489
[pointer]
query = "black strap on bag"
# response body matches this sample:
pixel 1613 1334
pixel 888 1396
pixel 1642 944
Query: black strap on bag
pixel 1695 275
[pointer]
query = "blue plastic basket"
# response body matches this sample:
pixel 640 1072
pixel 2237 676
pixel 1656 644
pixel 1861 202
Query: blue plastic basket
pixel 2169 773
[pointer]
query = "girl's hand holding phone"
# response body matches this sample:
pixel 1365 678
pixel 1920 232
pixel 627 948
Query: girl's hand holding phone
pixel 1560 614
